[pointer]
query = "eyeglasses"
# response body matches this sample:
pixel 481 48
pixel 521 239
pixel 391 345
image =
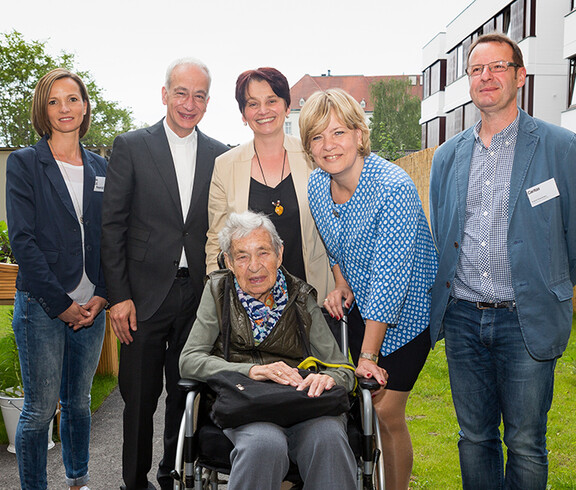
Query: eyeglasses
pixel 494 67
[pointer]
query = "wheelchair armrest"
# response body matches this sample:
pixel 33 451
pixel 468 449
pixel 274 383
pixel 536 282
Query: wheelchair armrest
pixel 369 384
pixel 188 385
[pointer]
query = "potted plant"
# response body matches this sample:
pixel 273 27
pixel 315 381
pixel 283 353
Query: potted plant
pixel 11 388
pixel 8 267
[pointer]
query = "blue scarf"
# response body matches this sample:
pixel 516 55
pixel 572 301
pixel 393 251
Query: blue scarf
pixel 264 316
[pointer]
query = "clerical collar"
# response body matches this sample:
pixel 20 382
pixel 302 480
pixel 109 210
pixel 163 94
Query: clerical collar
pixel 173 138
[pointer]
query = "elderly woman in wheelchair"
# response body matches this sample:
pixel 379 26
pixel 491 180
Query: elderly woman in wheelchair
pixel 266 309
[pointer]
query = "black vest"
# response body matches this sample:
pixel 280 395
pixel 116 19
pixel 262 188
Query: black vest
pixel 284 342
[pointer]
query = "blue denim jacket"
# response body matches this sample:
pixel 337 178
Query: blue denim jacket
pixel 541 239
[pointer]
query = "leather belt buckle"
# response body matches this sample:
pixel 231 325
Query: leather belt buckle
pixel 481 305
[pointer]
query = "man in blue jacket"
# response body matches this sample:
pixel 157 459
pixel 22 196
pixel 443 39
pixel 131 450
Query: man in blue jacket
pixel 503 212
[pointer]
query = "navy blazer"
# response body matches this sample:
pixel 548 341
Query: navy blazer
pixel 44 230
pixel 541 240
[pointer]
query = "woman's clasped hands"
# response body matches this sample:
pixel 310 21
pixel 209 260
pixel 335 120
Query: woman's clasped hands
pixel 283 374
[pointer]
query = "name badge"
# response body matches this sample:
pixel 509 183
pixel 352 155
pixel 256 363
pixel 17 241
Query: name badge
pixel 99 184
pixel 542 192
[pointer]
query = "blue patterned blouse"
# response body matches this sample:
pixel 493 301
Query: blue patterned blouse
pixel 381 240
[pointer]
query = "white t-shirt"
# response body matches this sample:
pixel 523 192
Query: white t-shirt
pixel 74 178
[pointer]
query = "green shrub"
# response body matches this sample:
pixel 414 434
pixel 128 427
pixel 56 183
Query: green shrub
pixel 10 375
pixel 5 248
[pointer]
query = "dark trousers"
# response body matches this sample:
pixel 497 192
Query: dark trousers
pixel 153 354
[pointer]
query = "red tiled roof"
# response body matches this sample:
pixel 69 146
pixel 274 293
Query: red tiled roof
pixel 358 86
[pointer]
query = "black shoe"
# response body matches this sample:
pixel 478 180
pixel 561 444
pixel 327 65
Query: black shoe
pixel 149 487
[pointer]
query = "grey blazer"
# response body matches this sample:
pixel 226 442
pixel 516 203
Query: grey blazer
pixel 143 229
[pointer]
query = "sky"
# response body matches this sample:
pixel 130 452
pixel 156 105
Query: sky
pixel 127 44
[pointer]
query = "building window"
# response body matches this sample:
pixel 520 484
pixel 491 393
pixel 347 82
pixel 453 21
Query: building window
pixel 426 83
pixel 461 118
pixel 503 20
pixel 517 24
pixel 489 26
pixel 517 20
pixel 288 127
pixel 457 60
pixel 471 115
pixel 572 83
pixel 460 61
pixel 451 67
pixel 525 97
pixel 434 132
pixel 454 121
pixel 434 78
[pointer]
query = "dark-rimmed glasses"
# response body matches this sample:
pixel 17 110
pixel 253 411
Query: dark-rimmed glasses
pixel 494 67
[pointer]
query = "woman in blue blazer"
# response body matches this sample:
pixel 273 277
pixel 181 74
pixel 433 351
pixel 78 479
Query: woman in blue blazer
pixel 54 198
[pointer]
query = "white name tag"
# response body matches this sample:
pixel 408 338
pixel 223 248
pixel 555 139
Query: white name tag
pixel 99 184
pixel 542 192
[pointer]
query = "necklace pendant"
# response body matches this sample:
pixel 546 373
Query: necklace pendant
pixel 278 208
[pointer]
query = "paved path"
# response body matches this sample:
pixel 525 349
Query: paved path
pixel 105 451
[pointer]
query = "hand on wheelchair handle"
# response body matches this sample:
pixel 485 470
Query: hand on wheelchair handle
pixel 369 369
pixel 338 300
pixel 369 384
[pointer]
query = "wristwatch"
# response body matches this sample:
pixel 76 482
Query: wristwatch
pixel 367 355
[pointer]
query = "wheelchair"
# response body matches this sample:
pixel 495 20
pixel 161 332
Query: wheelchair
pixel 203 450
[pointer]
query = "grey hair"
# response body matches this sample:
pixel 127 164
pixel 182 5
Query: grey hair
pixel 240 225
pixel 188 62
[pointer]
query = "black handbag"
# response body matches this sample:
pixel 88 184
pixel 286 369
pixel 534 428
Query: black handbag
pixel 241 400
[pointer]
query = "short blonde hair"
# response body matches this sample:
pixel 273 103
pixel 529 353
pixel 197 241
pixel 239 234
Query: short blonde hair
pixel 316 112
pixel 39 112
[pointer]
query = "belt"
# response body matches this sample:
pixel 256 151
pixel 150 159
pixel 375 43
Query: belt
pixel 481 305
pixel 182 272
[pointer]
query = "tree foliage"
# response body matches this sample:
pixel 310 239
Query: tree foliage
pixel 395 125
pixel 23 64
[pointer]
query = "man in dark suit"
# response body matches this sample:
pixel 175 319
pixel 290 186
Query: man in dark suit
pixel 154 233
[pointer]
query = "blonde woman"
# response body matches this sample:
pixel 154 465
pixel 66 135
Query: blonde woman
pixel 371 219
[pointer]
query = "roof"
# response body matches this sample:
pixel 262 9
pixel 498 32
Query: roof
pixel 358 86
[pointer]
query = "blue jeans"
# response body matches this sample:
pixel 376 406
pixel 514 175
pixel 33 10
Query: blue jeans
pixel 57 364
pixel 494 378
